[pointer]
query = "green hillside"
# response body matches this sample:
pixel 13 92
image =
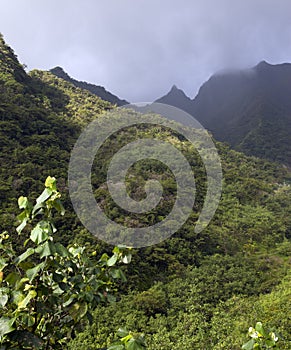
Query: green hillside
pixel 94 89
pixel 40 119
pixel 192 291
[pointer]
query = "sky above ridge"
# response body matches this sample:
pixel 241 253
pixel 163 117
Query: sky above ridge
pixel 137 49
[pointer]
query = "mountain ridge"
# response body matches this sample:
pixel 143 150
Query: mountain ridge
pixel 249 109
pixel 225 269
pixel 178 98
pixel 97 90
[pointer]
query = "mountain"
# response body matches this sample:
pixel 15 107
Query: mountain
pixel 94 89
pixel 176 97
pixel 249 109
pixel 41 117
pixel 185 280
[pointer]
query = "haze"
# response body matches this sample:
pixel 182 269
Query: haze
pixel 139 49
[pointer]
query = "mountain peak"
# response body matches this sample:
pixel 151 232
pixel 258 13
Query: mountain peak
pixel 176 97
pixel 263 65
pixel 61 73
pixel 174 87
pixel 176 91
pixel 58 69
pixel 97 90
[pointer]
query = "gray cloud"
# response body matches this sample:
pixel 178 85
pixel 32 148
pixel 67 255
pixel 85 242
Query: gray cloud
pixel 138 49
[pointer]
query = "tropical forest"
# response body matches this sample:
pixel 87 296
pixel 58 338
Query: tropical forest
pixel 225 287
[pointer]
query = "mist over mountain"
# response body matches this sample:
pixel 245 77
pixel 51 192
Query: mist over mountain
pixel 249 109
pixel 97 90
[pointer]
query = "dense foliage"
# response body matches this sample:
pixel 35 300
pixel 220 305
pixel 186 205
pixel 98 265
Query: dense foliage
pixel 192 291
pixel 48 289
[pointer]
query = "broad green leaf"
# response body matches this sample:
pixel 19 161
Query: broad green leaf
pixel 122 332
pixel 28 320
pixel 78 311
pixel 104 257
pixel 32 273
pixel 44 196
pixel 3 300
pixel 70 300
pixel 51 183
pixel 103 260
pixel 12 278
pixel 22 225
pixel 37 208
pixel 31 294
pixel 46 249
pixel 126 259
pixel 39 234
pixel 249 345
pixel 270 343
pixel 6 325
pixel 23 202
pixel 20 283
pixel 112 261
pixel 4 296
pixel 59 206
pixel 57 291
pixel 17 297
pixel 116 250
pixel 260 329
pixel 116 347
pixel 2 263
pixel 24 256
pixel 23 215
pixel 61 250
pixel 117 273
pixel 132 345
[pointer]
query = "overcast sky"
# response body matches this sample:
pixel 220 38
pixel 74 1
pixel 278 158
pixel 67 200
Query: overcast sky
pixel 138 49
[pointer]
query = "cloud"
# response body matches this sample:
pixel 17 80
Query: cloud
pixel 138 49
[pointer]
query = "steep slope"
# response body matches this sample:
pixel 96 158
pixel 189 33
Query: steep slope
pixel 94 89
pixel 41 116
pixel 176 97
pixel 249 109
